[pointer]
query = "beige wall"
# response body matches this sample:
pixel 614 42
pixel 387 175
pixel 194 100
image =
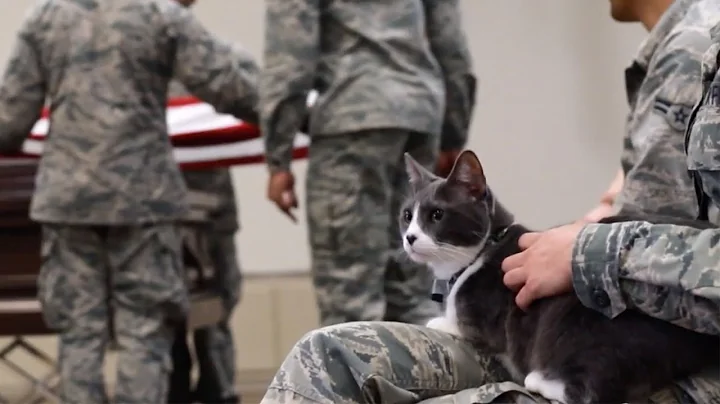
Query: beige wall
pixel 547 125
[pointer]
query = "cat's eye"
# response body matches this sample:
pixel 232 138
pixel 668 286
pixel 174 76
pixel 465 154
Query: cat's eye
pixel 407 215
pixel 437 215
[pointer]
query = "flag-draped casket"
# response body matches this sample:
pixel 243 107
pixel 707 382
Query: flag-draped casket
pixel 201 138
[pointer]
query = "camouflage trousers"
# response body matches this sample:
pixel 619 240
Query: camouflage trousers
pixel 384 362
pixel 355 186
pixel 135 270
pixel 213 346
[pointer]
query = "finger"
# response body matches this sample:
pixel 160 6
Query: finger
pixel 524 298
pixel 513 262
pixel 528 239
pixel 288 199
pixel 290 214
pixel 515 279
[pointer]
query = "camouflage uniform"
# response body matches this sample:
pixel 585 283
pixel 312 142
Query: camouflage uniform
pixel 668 272
pixel 662 86
pixel 386 72
pixel 214 346
pixel 108 191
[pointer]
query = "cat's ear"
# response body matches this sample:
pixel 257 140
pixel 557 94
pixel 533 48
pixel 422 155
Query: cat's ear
pixel 468 172
pixel 419 175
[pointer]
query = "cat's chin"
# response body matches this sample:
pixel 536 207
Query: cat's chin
pixel 418 258
pixel 445 270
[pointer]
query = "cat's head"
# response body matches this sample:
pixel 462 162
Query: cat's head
pixel 445 223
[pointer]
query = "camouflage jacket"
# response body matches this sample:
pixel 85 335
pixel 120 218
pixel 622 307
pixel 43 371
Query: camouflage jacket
pixel 104 67
pixel 663 84
pixel 666 271
pixel 376 64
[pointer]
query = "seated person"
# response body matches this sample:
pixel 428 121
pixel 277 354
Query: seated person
pixel 378 362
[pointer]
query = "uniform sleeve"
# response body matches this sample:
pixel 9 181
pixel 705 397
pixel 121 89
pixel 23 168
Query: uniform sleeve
pixel 665 271
pixel 22 93
pixel 218 73
pixel 292 31
pixel 449 45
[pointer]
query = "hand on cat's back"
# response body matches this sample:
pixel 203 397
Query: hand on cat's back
pixel 544 267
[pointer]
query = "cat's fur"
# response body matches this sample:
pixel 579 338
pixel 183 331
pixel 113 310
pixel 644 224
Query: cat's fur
pixel 557 348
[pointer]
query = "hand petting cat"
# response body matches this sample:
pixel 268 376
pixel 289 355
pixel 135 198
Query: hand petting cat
pixel 544 267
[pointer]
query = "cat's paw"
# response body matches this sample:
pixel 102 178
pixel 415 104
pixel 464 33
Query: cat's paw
pixel 444 324
pixel 548 388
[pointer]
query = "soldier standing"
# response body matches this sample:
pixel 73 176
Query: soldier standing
pixel 109 193
pixel 214 346
pixel 392 77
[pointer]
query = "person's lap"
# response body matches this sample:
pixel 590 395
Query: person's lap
pixel 379 362
pixel 385 362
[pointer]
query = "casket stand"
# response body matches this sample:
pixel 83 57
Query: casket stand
pixel 20 315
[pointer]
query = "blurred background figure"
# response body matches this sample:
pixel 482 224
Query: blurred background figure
pixel 213 346
pixel 109 193
pixel 393 77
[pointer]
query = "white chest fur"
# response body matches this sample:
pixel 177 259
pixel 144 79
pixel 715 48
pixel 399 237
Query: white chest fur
pixel 534 381
pixel 449 322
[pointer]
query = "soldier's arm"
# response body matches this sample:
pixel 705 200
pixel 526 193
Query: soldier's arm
pixel 22 92
pixel 449 45
pixel 221 74
pixel 669 272
pixel 292 30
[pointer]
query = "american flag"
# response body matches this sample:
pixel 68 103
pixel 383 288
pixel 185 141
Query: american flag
pixel 201 137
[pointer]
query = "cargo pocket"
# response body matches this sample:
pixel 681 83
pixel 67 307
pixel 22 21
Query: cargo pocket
pixel 52 282
pixel 703 151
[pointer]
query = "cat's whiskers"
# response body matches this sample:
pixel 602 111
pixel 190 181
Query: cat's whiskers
pixel 454 252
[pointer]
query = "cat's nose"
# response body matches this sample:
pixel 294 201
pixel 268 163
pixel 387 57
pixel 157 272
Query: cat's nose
pixel 411 238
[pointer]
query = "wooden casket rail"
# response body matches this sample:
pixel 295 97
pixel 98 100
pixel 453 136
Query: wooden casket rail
pixel 20 257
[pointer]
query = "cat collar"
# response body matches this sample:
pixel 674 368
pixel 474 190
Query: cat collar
pixel 439 290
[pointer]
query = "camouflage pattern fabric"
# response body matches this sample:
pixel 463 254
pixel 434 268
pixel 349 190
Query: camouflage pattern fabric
pixel 703 135
pixel 669 272
pixel 385 362
pixel 107 157
pixel 214 346
pixel 389 75
pixel 663 84
pixel 108 162
pixel 401 64
pixel 355 185
pixel 140 269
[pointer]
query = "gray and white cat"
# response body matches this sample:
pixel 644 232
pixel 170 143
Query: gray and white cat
pixel 558 348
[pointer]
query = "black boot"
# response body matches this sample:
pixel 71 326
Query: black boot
pixel 179 387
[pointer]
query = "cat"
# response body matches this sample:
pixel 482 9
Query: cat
pixel 557 348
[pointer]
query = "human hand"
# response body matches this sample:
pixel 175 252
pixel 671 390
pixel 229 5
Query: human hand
pixel 446 161
pixel 281 190
pixel 544 267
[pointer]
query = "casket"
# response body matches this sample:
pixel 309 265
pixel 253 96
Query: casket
pixel 19 236
pixel 20 253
